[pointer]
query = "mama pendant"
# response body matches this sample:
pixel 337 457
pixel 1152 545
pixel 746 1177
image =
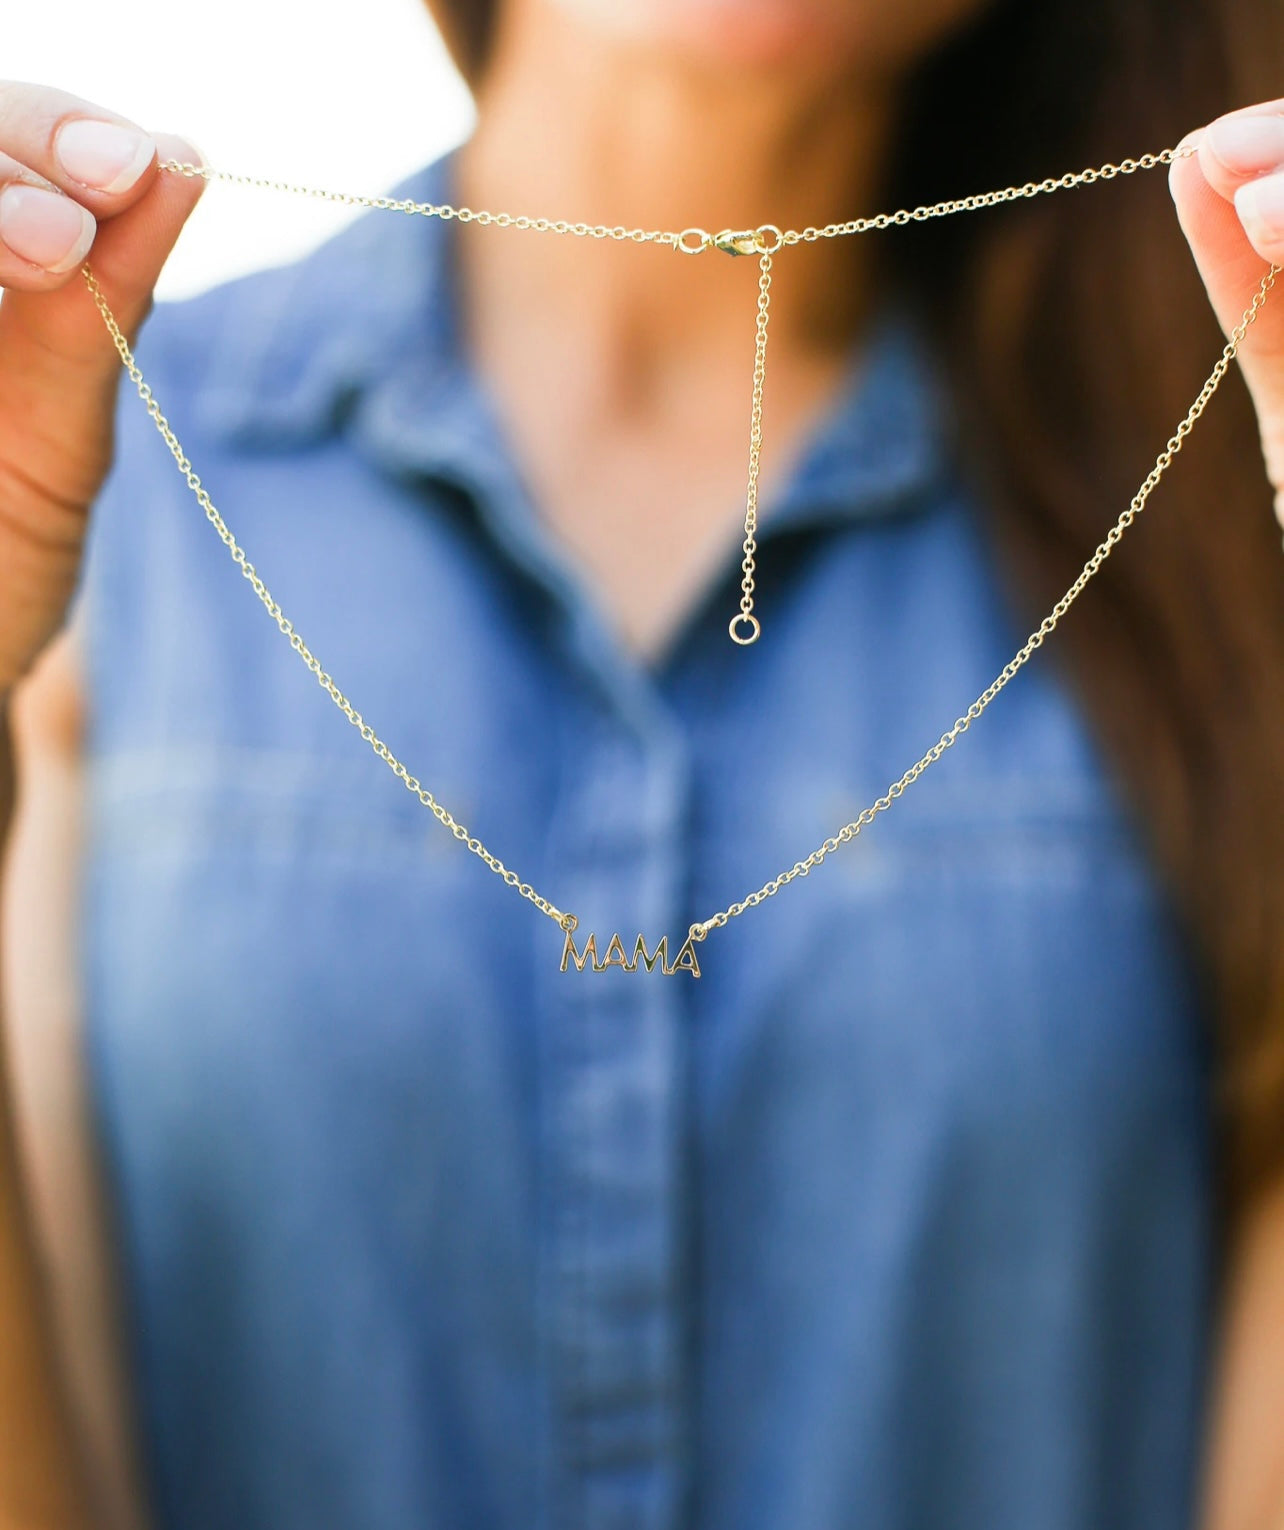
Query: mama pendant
pixel 616 955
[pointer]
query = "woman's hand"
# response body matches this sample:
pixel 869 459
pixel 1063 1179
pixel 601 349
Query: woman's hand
pixel 1230 201
pixel 75 182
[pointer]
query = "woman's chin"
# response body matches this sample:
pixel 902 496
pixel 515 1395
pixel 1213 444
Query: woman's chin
pixel 759 31
pixel 811 36
pixel 736 33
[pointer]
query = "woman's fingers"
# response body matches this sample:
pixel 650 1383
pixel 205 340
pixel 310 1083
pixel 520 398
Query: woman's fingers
pixel 79 181
pixel 1204 190
pixel 95 156
pixel 1224 195
pixel 76 183
pixel 1242 157
pixel 44 235
pixel 63 166
pixel 58 367
pixel 128 251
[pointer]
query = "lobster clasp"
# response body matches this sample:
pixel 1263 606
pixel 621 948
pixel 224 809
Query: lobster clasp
pixel 742 241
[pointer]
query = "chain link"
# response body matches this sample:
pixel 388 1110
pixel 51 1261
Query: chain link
pixel 425 209
pixel 744 627
pixel 694 241
pixel 922 214
pixel 764 241
pixel 1035 641
pixel 324 679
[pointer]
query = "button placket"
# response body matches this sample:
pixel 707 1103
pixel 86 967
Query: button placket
pixel 613 1092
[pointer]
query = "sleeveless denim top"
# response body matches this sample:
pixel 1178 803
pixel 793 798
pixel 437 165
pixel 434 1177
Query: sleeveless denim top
pixel 899 1218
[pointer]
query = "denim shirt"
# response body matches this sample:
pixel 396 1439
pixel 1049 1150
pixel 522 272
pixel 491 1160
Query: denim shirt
pixel 899 1216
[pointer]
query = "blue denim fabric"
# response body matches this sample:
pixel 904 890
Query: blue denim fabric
pixel 898 1219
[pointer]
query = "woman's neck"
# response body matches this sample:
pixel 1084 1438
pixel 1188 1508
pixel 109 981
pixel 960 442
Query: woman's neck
pixel 621 371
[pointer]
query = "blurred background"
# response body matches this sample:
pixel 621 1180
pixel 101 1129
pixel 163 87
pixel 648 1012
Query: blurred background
pixel 260 101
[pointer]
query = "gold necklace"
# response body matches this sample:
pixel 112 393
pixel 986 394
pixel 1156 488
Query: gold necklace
pixel 764 242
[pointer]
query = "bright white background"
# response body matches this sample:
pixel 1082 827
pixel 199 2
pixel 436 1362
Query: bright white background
pixel 345 94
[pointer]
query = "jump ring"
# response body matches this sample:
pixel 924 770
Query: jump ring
pixel 743 618
pixel 703 241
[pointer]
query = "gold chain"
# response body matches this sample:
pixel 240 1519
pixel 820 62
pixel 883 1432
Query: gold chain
pixel 694 241
pixel 324 679
pixel 763 241
pixel 1035 641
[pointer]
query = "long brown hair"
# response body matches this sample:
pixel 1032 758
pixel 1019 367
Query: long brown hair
pixel 1078 332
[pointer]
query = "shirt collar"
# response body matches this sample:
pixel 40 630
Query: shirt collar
pixel 363 336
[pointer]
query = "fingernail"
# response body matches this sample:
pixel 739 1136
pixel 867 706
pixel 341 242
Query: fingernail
pixel 103 155
pixel 1260 205
pixel 47 229
pixel 1248 145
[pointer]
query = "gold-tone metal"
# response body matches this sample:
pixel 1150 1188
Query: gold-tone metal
pixel 323 678
pixel 1035 641
pixel 616 955
pixel 745 619
pixel 737 242
pixel 976 203
pixel 763 241
pixel 692 241
pixel 441 210
pixel 703 241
